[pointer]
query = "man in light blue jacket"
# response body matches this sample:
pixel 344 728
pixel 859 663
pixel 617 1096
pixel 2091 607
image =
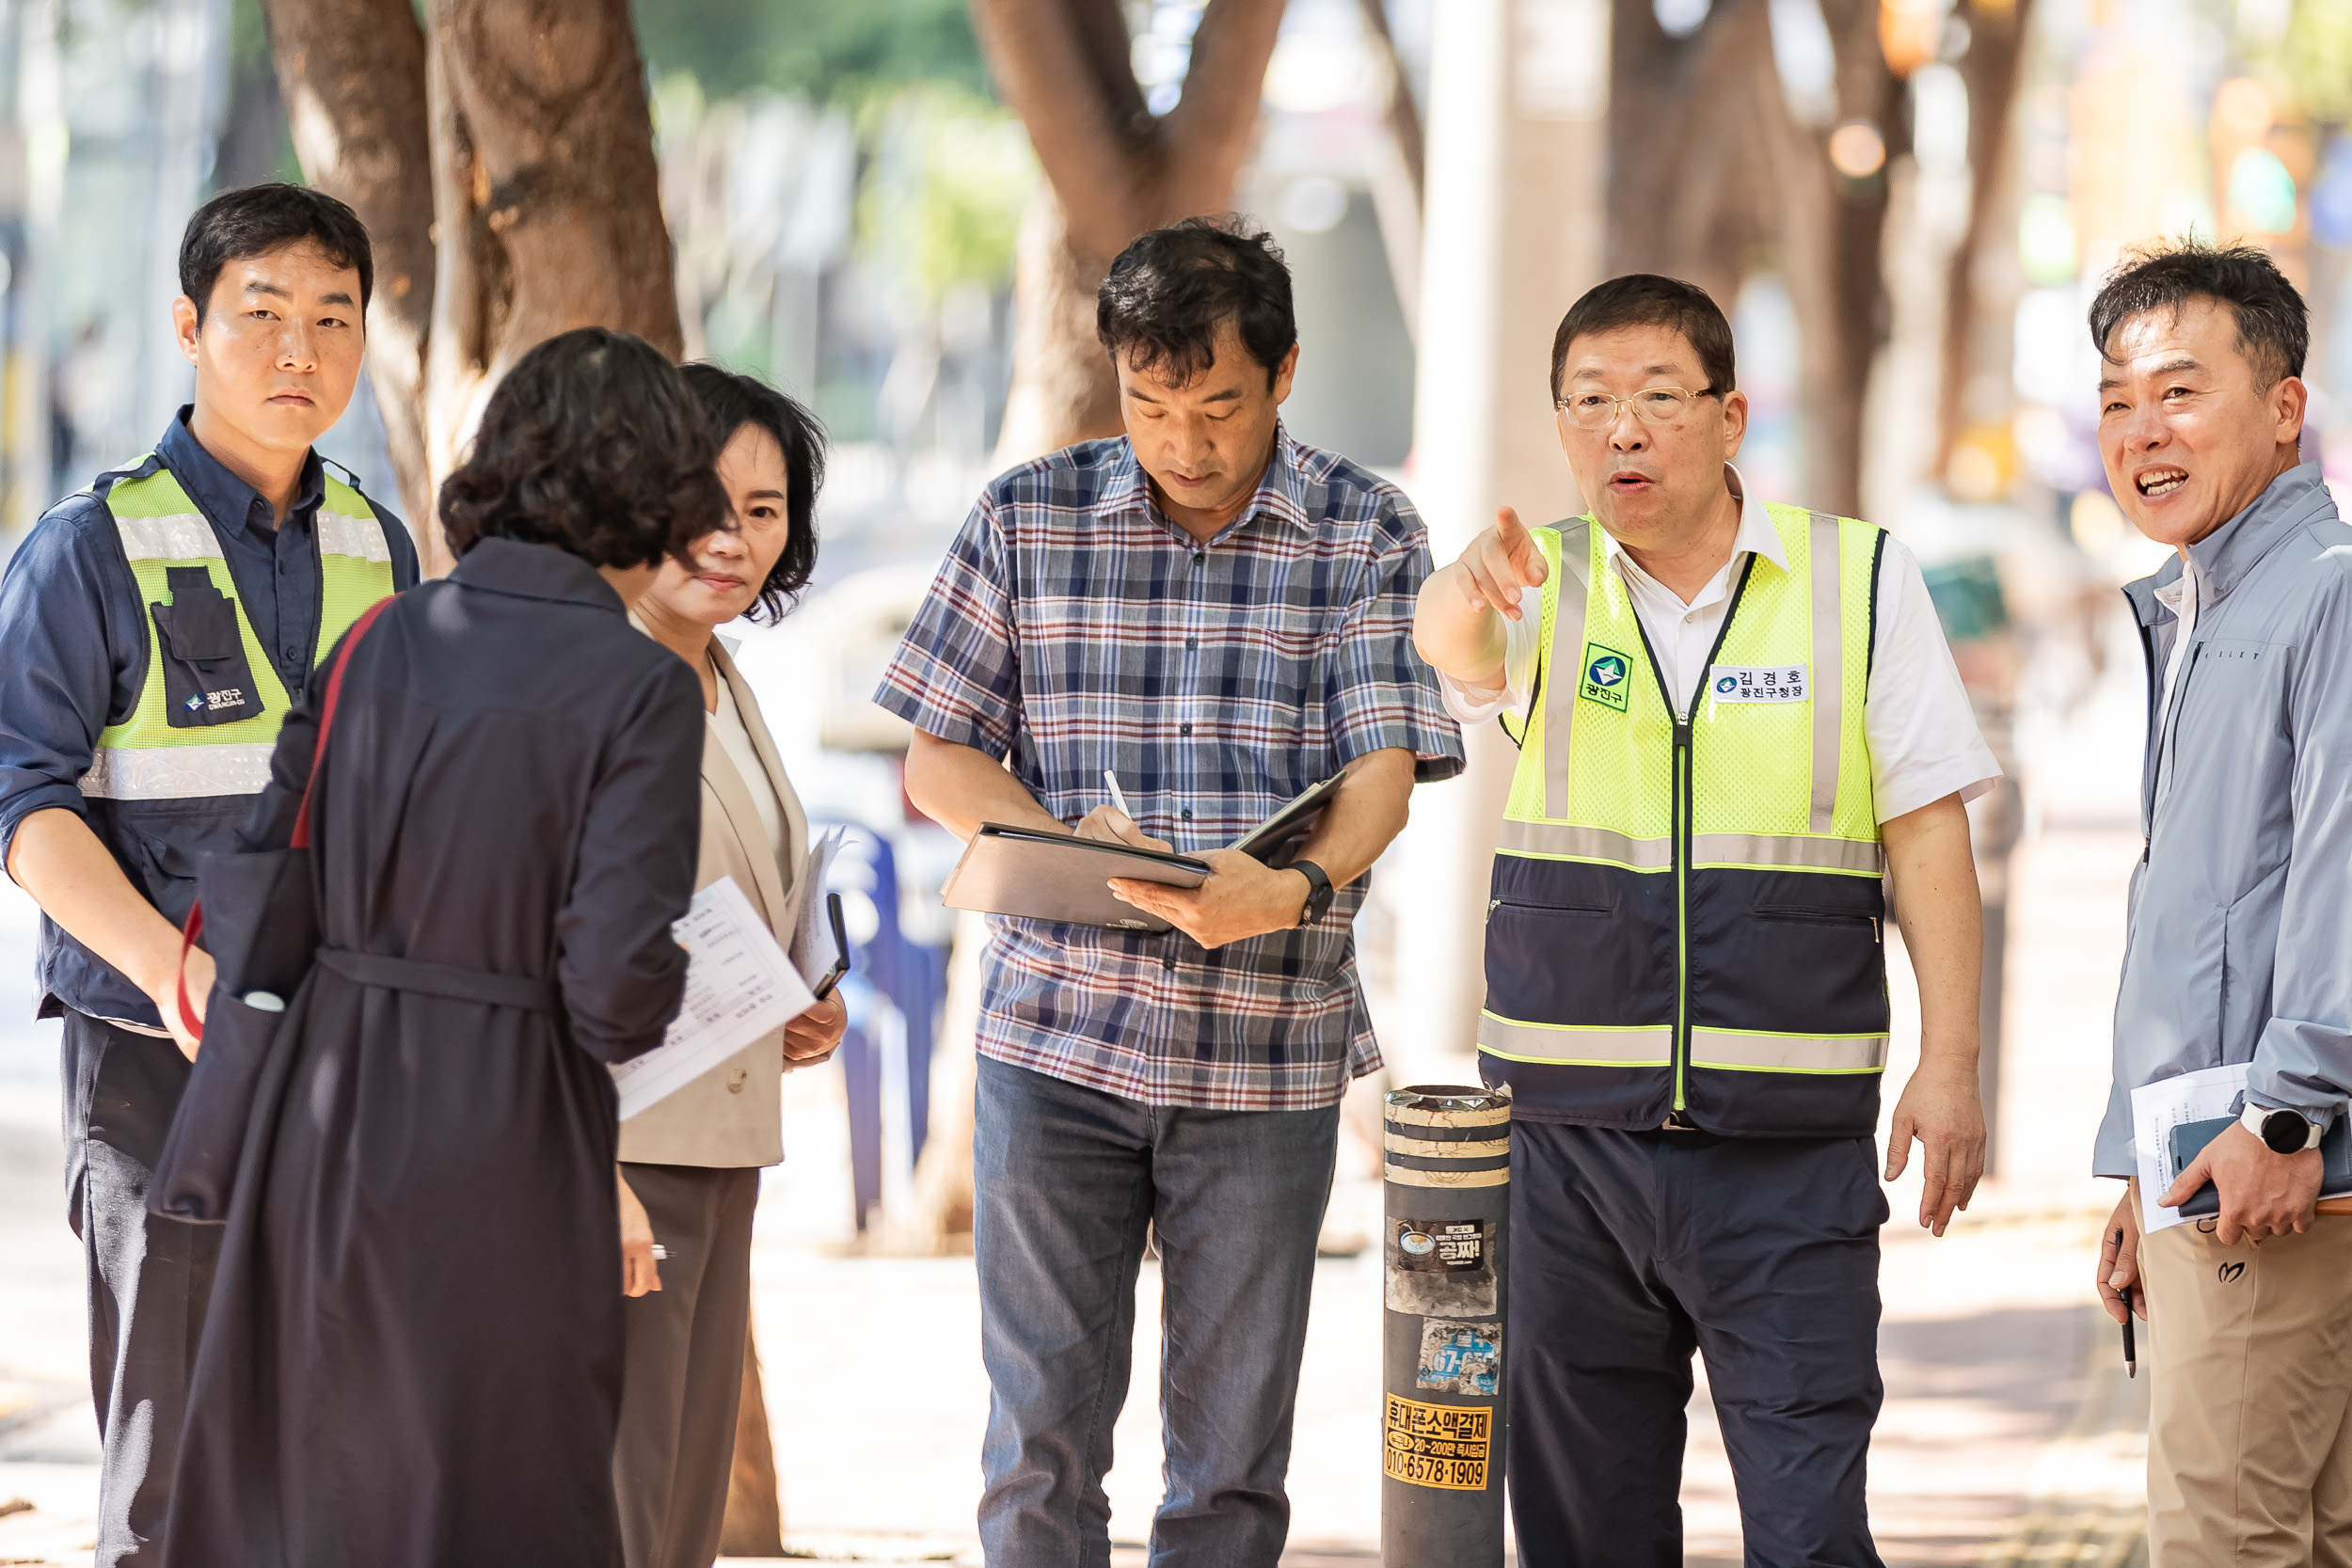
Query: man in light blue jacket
pixel 2240 944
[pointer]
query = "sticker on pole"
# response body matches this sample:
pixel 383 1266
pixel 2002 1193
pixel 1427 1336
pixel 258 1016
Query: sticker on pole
pixel 1440 1268
pixel 1445 1246
pixel 1443 1446
pixel 1460 1359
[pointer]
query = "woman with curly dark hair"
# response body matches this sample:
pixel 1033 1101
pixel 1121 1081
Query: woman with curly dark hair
pixel 414 1355
pixel 694 1158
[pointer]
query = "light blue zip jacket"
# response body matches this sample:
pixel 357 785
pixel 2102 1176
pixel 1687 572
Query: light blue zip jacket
pixel 2239 945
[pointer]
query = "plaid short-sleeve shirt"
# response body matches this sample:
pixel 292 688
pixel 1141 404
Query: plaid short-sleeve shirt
pixel 1076 629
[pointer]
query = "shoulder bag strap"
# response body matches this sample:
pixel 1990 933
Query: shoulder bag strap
pixel 195 926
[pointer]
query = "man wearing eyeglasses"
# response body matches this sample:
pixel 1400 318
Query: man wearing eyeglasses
pixel 1736 721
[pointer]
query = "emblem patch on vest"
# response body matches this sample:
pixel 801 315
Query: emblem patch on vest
pixel 1771 683
pixel 1607 675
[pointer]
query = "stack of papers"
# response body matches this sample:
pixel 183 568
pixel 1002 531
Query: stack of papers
pixel 740 985
pixel 2205 1094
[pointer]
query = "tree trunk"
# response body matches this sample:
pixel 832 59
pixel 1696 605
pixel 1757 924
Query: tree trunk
pixel 1686 162
pixel 1112 171
pixel 1990 67
pixel 1062 387
pixel 1711 168
pixel 352 73
pixel 502 161
pixel 546 194
pixel 1840 289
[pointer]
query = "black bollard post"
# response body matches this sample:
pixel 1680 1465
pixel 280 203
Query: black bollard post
pixel 1446 1250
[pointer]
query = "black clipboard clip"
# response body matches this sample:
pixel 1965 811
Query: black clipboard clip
pixel 840 946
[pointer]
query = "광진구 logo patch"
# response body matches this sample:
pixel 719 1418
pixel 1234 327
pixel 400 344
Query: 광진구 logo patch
pixel 1607 675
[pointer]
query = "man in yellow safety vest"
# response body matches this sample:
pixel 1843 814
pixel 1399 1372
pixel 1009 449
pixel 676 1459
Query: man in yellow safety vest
pixel 158 627
pixel 1734 720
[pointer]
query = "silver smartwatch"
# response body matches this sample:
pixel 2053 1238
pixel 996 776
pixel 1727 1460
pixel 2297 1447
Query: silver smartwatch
pixel 2282 1132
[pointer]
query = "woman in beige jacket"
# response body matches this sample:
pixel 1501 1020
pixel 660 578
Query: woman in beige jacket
pixel 693 1159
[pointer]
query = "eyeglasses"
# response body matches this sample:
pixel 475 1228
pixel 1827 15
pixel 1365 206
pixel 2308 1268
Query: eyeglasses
pixel 1661 407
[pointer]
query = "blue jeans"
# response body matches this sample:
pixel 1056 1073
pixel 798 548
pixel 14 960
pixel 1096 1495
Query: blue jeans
pixel 1067 1178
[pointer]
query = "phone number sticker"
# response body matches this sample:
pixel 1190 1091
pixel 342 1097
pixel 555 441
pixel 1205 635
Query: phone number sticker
pixel 1438 1444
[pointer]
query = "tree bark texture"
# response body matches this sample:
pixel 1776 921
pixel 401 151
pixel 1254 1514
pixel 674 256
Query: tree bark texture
pixel 1713 175
pixel 352 75
pixel 1992 69
pixel 501 156
pixel 1112 170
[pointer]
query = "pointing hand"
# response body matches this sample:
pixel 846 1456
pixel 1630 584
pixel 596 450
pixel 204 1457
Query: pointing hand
pixel 1499 563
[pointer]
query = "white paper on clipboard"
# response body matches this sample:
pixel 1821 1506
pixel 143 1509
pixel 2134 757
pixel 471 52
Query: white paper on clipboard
pixel 812 939
pixel 739 986
pixel 2205 1094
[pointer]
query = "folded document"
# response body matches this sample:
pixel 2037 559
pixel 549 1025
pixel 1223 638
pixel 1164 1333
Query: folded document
pixel 740 985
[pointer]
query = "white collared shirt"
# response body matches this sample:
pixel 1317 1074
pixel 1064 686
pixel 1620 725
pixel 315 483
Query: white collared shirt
pixel 2180 597
pixel 1922 731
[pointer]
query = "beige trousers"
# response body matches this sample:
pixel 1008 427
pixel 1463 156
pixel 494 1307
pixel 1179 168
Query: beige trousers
pixel 2250 1430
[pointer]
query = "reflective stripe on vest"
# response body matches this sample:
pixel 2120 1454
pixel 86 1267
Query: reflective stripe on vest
pixel 1587 1044
pixel 1757 1051
pixel 144 757
pixel 1686 903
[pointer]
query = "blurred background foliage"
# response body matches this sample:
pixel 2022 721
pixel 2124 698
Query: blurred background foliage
pixel 2311 56
pixel 846 53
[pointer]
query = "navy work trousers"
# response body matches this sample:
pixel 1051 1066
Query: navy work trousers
pixel 149 1277
pixel 1628 1251
pixel 1068 1178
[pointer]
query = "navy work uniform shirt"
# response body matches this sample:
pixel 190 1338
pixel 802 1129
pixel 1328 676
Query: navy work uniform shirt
pixel 73 623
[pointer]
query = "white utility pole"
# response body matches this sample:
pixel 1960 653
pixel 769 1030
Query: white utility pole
pixel 1512 232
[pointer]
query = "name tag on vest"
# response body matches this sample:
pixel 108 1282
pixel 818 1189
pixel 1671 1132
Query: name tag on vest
pixel 1771 683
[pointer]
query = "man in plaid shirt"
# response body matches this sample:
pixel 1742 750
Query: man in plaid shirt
pixel 1222 616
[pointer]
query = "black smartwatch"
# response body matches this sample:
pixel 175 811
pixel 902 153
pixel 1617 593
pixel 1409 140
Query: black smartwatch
pixel 2284 1132
pixel 1318 892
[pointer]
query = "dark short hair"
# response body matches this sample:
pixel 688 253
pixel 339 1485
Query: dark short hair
pixel 1645 299
pixel 730 401
pixel 592 444
pixel 2274 326
pixel 1173 289
pixel 255 219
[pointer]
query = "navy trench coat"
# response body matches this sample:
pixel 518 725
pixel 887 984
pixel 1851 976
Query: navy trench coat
pixel 413 1353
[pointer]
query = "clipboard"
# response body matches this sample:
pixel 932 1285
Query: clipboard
pixel 1042 876
pixel 1270 837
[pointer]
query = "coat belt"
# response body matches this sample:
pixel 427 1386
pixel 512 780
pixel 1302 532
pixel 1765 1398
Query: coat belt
pixel 447 981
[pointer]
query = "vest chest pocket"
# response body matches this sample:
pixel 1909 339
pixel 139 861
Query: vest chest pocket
pixel 207 678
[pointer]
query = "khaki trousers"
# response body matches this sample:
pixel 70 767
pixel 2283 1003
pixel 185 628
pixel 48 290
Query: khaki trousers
pixel 2250 1429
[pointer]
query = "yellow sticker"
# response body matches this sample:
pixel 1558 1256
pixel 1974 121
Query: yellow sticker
pixel 1438 1444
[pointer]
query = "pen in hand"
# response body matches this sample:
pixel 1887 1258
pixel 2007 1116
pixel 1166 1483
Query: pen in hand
pixel 2131 1353
pixel 1119 797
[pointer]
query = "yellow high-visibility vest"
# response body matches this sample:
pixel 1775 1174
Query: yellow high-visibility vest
pixel 1687 911
pixel 206 726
